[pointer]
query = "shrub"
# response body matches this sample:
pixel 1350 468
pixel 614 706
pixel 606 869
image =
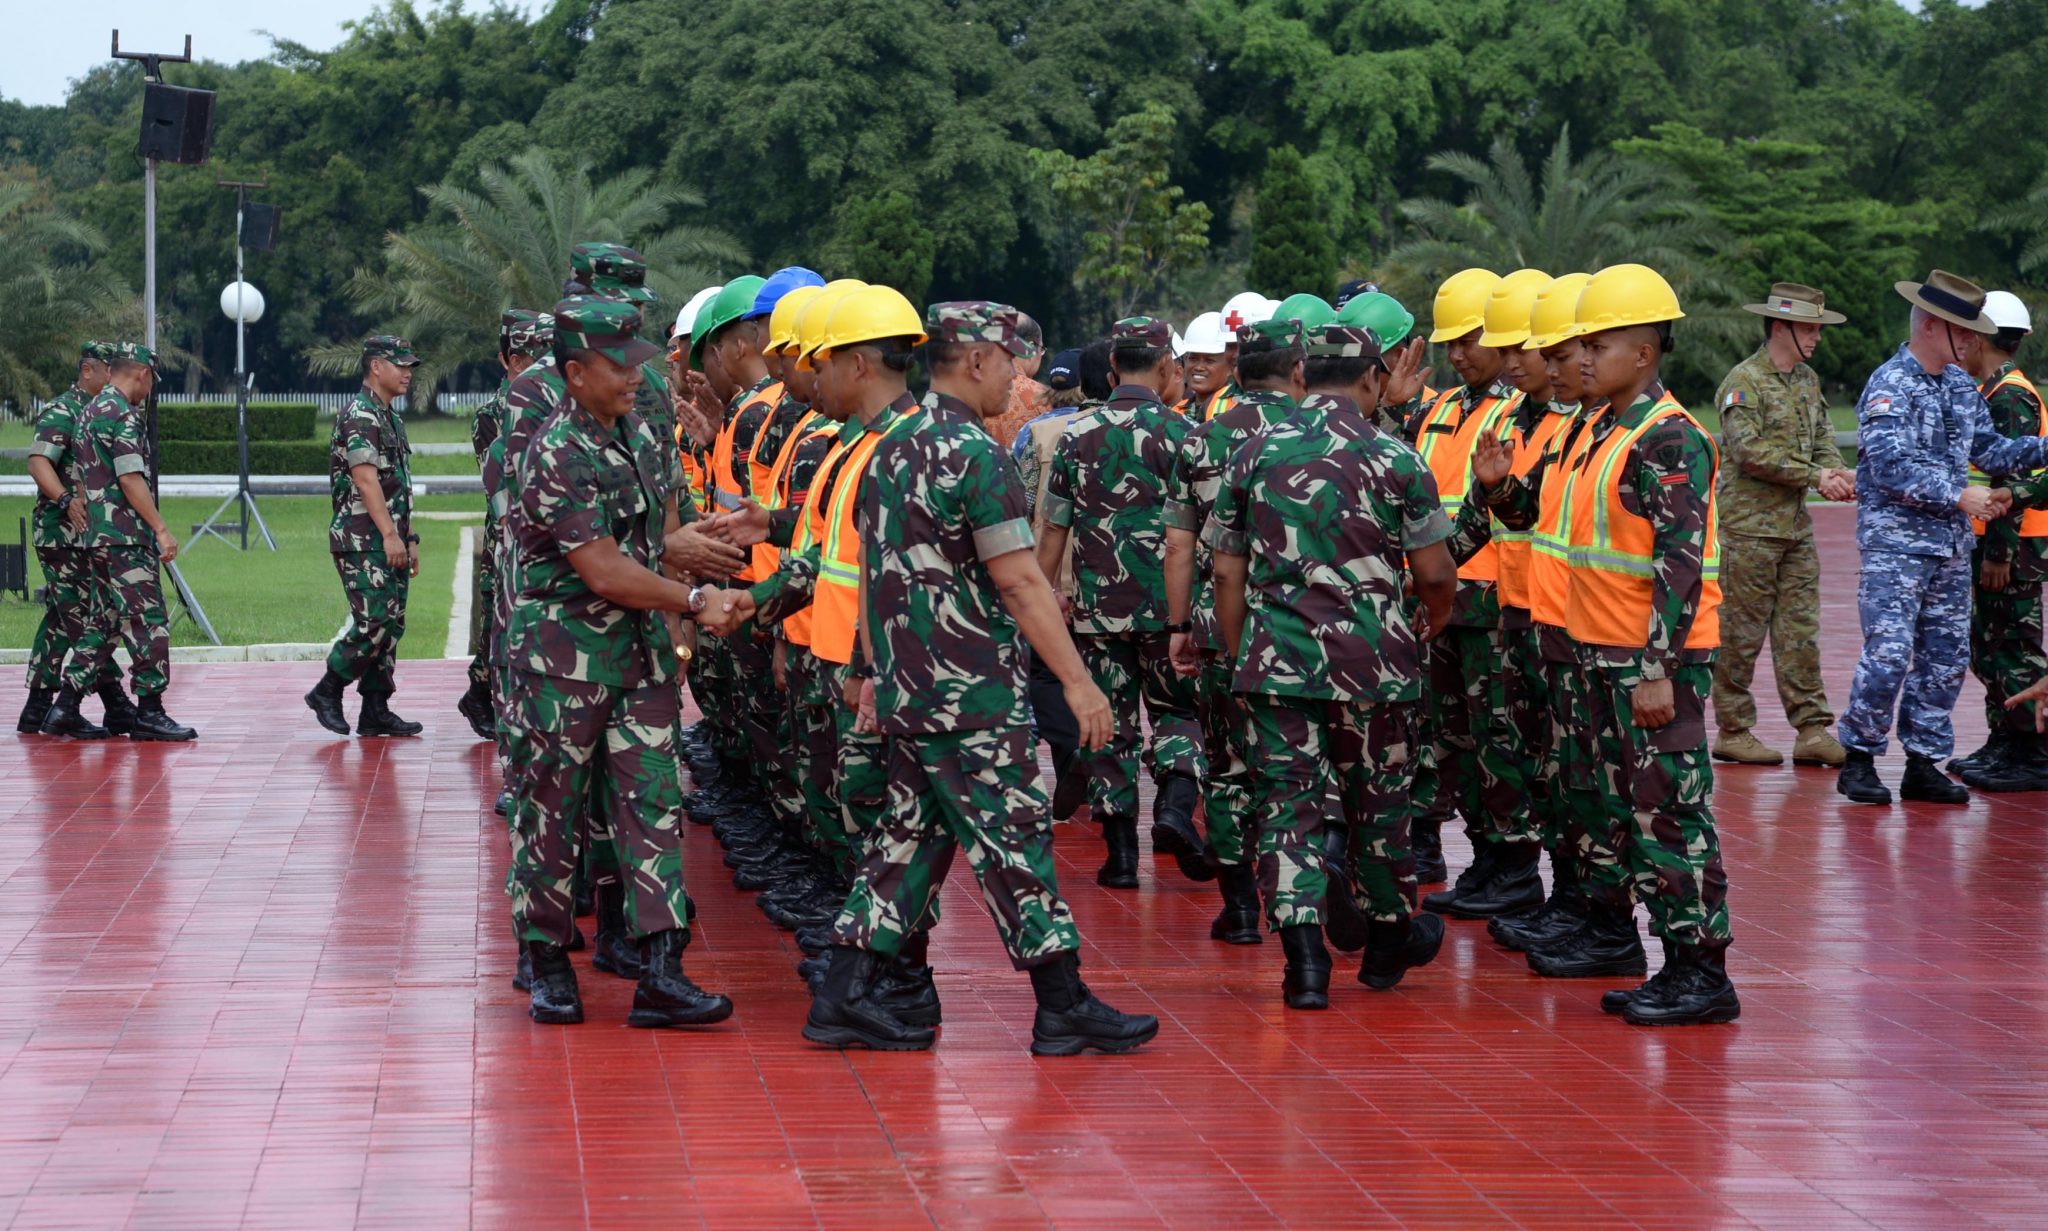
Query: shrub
pixel 291 421
pixel 265 457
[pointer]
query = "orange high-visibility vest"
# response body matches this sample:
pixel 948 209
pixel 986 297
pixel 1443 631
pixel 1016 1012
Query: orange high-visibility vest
pixel 810 528
pixel 835 608
pixel 1515 555
pixel 1446 440
pixel 695 470
pixel 1219 401
pixel 1613 550
pixel 728 491
pixel 761 471
pixel 2033 522
pixel 1550 567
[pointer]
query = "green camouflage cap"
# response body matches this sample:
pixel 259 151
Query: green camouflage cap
pixel 392 347
pixel 610 271
pixel 102 351
pixel 1345 342
pixel 1278 332
pixel 977 320
pixel 734 300
pixel 611 327
pixel 1147 331
pixel 130 352
pixel 525 332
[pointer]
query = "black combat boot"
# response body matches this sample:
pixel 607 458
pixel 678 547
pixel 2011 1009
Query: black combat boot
pixel 582 897
pixel 1306 983
pixel 475 705
pixel 2023 767
pixel 845 1013
pixel 1992 752
pixel 1470 881
pixel 1120 869
pixel 1398 947
pixel 1859 780
pixel 120 716
pixel 1925 782
pixel 1069 786
pixel 812 971
pixel 1618 999
pixel 1561 914
pixel 1605 944
pixel 814 940
pixel 377 719
pixel 1173 828
pixel 553 999
pixel 32 714
pixel 613 951
pixel 325 702
pixel 1513 884
pixel 910 993
pixel 66 719
pixel 1070 1020
pixel 1344 924
pixel 665 995
pixel 1239 922
pixel 151 723
pixel 1426 838
pixel 1699 994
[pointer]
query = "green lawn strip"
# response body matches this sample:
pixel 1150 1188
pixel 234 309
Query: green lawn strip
pixel 291 594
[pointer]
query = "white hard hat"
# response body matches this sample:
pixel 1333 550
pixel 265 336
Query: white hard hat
pixel 1247 308
pixel 1206 335
pixel 687 318
pixel 2004 309
pixel 1180 344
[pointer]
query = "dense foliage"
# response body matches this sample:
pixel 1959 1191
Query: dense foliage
pixel 973 147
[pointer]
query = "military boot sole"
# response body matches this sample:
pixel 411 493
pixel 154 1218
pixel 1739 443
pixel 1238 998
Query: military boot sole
pixel 1115 880
pixel 1759 762
pixel 142 736
pixel 1075 1044
pixel 2003 783
pixel 1716 1012
pixel 1881 795
pixel 89 733
pixel 1484 908
pixel 657 1017
pixel 382 732
pixel 1533 936
pixel 1957 796
pixel 842 1037
pixel 1552 968
pixel 572 1015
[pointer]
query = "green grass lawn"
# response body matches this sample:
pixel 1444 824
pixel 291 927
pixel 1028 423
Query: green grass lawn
pixel 431 429
pixel 291 594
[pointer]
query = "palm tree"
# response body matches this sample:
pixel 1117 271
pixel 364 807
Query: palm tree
pixel 2029 220
pixel 506 244
pixel 53 293
pixel 1570 215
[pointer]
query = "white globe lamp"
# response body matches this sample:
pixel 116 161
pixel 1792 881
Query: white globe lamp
pixel 241 303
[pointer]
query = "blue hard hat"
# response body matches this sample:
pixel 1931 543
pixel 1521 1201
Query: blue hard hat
pixel 781 283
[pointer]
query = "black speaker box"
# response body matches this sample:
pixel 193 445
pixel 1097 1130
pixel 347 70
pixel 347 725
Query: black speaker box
pixel 177 123
pixel 259 226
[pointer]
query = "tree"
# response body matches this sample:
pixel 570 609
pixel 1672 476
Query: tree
pixel 1135 228
pixel 879 239
pixel 506 244
pixel 1291 248
pixel 53 293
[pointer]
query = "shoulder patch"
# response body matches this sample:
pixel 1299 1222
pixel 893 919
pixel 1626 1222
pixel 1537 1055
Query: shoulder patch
pixel 1736 397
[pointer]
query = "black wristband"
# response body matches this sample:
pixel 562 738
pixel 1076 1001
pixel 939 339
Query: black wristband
pixel 1185 626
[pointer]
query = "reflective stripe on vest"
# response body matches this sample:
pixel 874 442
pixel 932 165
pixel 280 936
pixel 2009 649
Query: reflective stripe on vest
pixel 836 606
pixel 1446 440
pixel 810 528
pixel 1514 546
pixel 1613 551
pixel 776 484
pixel 1550 568
pixel 2033 522
pixel 1218 403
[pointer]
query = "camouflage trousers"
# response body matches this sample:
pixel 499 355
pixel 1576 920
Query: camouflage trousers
pixel 1658 789
pixel 1226 736
pixel 1770 587
pixel 1133 670
pixel 815 745
pixel 1303 749
pixel 862 762
pixel 1476 761
pixel 2005 647
pixel 1916 614
pixel 128 605
pixel 484 609
pixel 367 652
pixel 1532 709
pixel 608 753
pixel 711 684
pixel 68 608
pixel 976 790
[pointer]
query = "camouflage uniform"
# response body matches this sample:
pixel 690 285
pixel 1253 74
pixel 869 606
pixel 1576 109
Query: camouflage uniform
pixel 1197 476
pixel 127 571
pixel 593 686
pixel 1325 506
pixel 939 501
pixel 65 557
pixel 1918 434
pixel 1108 486
pixel 484 431
pixel 2005 625
pixel 369 433
pixel 1776 439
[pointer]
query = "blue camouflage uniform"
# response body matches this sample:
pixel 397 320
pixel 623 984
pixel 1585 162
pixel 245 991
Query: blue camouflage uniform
pixel 1918 432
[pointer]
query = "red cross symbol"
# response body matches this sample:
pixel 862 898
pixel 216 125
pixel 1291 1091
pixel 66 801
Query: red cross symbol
pixel 1235 320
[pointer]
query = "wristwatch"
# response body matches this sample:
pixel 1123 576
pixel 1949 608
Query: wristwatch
pixel 1185 626
pixel 698 601
pixel 64 501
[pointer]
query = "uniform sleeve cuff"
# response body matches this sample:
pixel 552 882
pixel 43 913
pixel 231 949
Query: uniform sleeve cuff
pixel 579 528
pixel 364 457
pixel 43 448
pixel 1434 528
pixel 131 463
pixel 1177 516
pixel 1059 510
pixel 1232 543
pixel 1003 538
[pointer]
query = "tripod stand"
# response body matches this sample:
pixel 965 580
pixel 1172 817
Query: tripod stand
pixel 243 495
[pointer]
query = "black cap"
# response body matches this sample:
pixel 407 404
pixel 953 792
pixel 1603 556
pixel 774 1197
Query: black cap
pixel 1065 371
pixel 1352 290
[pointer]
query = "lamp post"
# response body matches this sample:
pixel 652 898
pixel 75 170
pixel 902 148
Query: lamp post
pixel 243 304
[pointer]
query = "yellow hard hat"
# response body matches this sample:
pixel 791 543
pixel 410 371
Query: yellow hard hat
pixel 869 314
pixel 1555 314
pixel 782 321
pixel 810 321
pixel 1461 303
pixel 1507 307
pixel 1623 295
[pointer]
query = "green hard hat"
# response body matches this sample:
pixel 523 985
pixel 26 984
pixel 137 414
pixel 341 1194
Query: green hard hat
pixel 1312 311
pixel 1381 313
pixel 733 301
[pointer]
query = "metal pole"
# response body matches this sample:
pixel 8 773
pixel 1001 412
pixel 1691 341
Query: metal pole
pixel 241 369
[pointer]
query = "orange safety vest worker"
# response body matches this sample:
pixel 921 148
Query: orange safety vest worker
pixel 696 469
pixel 1445 441
pixel 835 606
pixel 1514 557
pixel 2033 522
pixel 1550 567
pixel 727 490
pixel 1221 400
pixel 797 628
pixel 1613 551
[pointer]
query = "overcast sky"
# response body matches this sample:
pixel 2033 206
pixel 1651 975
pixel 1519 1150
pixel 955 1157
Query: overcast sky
pixel 45 45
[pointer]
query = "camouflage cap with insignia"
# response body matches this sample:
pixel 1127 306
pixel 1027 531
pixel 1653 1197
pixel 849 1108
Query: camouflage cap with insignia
pixel 1335 341
pixel 522 331
pixel 1275 332
pixel 392 347
pixel 1146 331
pixel 130 352
pixel 978 320
pixel 611 327
pixel 102 351
pixel 610 271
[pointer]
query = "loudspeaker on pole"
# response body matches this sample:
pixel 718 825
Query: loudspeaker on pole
pixel 177 123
